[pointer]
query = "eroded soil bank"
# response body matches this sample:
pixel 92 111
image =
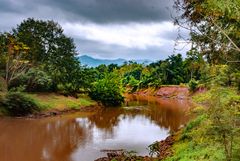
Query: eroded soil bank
pixel 178 92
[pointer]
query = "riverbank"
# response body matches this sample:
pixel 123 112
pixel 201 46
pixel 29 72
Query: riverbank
pixel 162 149
pixel 203 138
pixel 212 135
pixel 170 91
pixel 52 104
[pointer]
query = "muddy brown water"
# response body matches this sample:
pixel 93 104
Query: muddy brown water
pixel 82 136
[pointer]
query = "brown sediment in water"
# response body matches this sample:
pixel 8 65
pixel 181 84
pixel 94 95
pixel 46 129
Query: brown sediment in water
pixel 66 136
pixel 58 112
pixel 164 147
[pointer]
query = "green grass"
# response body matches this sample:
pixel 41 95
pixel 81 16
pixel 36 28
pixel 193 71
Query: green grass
pixel 193 151
pixel 194 143
pixel 225 93
pixel 48 101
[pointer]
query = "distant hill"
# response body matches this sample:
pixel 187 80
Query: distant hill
pixel 94 62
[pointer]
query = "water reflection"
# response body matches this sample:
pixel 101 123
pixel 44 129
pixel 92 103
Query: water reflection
pixel 81 137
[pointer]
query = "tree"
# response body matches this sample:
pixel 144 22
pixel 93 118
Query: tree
pixel 214 28
pixel 194 64
pixel 223 117
pixel 45 39
pixel 107 90
pixel 52 50
pixel 13 55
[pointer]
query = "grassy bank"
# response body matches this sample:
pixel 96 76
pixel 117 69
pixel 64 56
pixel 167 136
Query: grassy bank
pixel 19 104
pixel 214 133
pixel 48 101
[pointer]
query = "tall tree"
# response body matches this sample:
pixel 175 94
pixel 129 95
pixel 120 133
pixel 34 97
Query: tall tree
pixel 45 39
pixel 50 48
pixel 214 26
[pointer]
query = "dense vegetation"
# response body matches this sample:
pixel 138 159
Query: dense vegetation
pixel 18 104
pixel 214 134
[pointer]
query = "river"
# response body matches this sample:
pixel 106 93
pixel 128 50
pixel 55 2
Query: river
pixel 82 136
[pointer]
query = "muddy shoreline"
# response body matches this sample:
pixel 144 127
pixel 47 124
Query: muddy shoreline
pixel 163 149
pixel 57 112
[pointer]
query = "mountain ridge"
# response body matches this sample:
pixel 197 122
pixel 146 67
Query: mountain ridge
pixel 94 62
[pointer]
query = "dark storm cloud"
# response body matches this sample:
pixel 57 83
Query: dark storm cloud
pixel 110 11
pixel 99 11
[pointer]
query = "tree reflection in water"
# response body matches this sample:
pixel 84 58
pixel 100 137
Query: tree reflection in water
pixel 47 139
pixel 81 137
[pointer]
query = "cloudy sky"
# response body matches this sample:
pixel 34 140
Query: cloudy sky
pixel 130 29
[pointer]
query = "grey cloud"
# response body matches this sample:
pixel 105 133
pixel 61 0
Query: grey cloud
pixel 99 11
pixel 100 50
pixel 110 11
pixel 174 34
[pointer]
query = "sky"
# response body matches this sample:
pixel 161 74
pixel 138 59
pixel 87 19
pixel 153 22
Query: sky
pixel 109 29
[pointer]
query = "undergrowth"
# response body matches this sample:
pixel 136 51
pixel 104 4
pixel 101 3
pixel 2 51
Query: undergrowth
pixel 214 134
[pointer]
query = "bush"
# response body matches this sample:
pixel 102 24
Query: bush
pixel 38 80
pixel 107 91
pixel 18 104
pixel 35 80
pixel 193 84
pixel 68 89
pixel 236 79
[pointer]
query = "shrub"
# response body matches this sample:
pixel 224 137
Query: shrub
pixel 68 89
pixel 35 80
pixel 193 84
pixel 236 79
pixel 194 124
pixel 107 91
pixel 19 104
pixel 133 83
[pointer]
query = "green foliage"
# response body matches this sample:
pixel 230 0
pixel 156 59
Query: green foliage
pixel 38 80
pixel 214 134
pixel 170 71
pixel 190 150
pixel 186 133
pixel 52 54
pixel 214 28
pixel 133 83
pixel 236 79
pixel 107 90
pixel 223 116
pixel 12 58
pixel 19 104
pixel 193 84
pixel 35 80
